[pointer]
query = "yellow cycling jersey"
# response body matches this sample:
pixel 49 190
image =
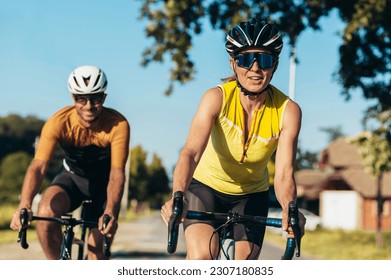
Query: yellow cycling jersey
pixel 231 166
pixel 87 150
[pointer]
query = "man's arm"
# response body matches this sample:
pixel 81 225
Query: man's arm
pixel 117 178
pixel 115 190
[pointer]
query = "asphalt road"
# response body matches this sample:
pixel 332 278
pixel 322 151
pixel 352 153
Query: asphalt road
pixel 142 239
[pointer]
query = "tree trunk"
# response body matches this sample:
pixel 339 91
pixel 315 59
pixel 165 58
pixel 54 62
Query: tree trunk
pixel 379 239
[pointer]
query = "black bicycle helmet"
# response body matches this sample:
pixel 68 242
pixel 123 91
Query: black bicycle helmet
pixel 254 33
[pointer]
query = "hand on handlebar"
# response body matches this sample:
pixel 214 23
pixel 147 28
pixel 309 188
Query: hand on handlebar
pixel 293 222
pixel 108 225
pixel 16 222
pixel 302 221
pixel 167 210
pixel 286 227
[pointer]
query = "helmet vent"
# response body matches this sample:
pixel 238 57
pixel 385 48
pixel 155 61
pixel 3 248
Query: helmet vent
pixel 86 80
pixel 74 78
pixel 97 80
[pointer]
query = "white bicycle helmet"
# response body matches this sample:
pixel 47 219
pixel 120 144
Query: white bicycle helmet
pixel 87 80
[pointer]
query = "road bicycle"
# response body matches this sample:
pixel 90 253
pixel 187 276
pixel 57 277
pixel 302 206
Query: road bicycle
pixel 68 234
pixel 227 244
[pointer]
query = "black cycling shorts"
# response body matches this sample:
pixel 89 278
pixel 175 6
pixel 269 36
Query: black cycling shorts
pixel 79 189
pixel 203 198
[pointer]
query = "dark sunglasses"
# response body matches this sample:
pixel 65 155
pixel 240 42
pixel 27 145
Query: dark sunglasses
pixel 94 99
pixel 246 60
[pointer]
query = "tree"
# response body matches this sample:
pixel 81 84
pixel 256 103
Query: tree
pixel 333 133
pixel 147 182
pixel 172 24
pixel 305 159
pixel 375 150
pixel 138 179
pixel 158 184
pixel 365 55
pixel 18 133
pixel 12 170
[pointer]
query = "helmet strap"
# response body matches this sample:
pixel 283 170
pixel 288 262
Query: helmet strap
pixel 246 91
pixel 243 89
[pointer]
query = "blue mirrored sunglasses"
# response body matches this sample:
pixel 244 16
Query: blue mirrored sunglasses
pixel 246 60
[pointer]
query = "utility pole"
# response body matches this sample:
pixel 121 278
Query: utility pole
pixel 292 73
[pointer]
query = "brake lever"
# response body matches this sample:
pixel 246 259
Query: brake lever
pixel 106 245
pixel 173 223
pixel 22 236
pixel 294 223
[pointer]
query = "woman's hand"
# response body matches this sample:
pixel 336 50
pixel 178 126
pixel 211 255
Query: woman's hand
pixel 285 227
pixel 167 209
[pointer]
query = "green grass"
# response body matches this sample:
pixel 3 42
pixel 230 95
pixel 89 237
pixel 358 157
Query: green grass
pixel 342 245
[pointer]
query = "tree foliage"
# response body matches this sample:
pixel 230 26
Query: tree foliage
pixel 333 133
pixel 12 170
pixel 147 182
pixel 375 147
pixel 158 184
pixel 173 24
pixel 18 133
pixel 364 55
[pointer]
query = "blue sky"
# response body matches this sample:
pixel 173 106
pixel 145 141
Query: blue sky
pixel 42 41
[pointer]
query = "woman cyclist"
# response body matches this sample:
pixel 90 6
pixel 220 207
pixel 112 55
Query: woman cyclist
pixel 95 140
pixel 237 128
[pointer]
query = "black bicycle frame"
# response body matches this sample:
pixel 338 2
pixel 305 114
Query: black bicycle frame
pixel 67 235
pixel 232 218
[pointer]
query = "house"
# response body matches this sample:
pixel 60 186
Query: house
pixel 341 191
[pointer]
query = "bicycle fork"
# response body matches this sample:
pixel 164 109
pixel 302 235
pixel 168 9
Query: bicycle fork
pixel 66 248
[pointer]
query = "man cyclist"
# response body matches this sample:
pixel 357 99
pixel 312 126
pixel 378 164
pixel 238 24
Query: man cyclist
pixel 95 140
pixel 237 128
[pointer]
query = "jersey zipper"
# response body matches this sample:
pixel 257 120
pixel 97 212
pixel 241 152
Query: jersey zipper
pixel 246 142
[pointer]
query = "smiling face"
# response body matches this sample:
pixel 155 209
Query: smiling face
pixel 89 107
pixel 254 69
